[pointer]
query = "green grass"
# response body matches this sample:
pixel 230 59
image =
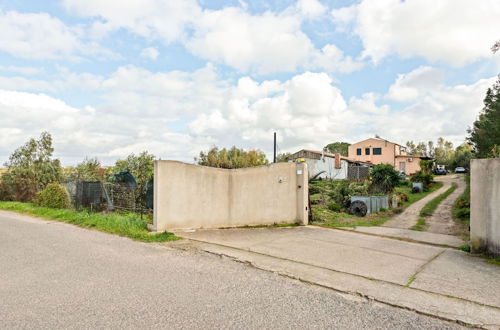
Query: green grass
pixel 324 217
pixel 420 226
pixel 431 206
pixel 128 225
pixel 461 207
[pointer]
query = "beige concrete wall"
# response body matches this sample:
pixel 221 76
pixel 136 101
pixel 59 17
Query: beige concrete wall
pixel 485 205
pixel 191 196
pixel 410 167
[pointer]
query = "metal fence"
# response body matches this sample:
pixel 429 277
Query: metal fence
pixel 358 172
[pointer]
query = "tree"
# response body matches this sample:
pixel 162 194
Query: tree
pixel 463 155
pixel 484 136
pixel 140 166
pixel 30 168
pixel 232 158
pixel 337 148
pixel 283 157
pixel 88 170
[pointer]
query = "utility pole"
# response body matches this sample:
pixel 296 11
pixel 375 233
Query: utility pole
pixel 274 159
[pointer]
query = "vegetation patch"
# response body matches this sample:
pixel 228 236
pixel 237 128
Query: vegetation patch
pixel 431 206
pixel 325 209
pixel 128 224
pixel 420 226
pixel 461 207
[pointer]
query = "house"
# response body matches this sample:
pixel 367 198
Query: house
pixel 331 166
pixel 379 151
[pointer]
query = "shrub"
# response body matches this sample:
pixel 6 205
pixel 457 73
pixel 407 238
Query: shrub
pixel 6 193
pixel 54 196
pixel 384 178
pixel 425 178
pixel 313 190
pixel 334 207
pixel 358 188
pixel 341 194
pixel 463 213
pixel 402 196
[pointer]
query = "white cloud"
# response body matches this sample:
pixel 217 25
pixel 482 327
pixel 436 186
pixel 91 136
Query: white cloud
pixel 150 53
pixel 451 31
pixel 263 43
pixel 40 36
pixel 176 114
pixel 166 20
pixel 25 70
pixel 413 84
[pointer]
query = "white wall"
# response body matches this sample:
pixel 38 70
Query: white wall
pixel 327 164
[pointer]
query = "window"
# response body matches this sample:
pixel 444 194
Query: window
pixel 358 151
pixel 367 151
pixel 377 151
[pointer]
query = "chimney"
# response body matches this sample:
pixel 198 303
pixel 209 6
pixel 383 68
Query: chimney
pixel 337 161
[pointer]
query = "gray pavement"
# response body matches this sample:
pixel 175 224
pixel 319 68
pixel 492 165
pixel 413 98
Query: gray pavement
pixel 58 276
pixel 433 280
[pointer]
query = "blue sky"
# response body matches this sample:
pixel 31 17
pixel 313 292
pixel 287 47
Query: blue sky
pixel 108 78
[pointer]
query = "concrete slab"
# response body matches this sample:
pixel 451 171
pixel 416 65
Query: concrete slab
pixel 430 279
pixel 371 257
pixel 424 302
pixel 412 235
pixel 458 272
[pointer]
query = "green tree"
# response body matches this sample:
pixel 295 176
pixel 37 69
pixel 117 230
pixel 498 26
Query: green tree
pixel 337 148
pixel 31 168
pixel 140 166
pixel 485 132
pixel 283 157
pixel 88 170
pixel 231 158
pixel 463 155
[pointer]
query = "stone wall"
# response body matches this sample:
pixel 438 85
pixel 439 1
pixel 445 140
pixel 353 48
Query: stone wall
pixel 485 205
pixel 191 196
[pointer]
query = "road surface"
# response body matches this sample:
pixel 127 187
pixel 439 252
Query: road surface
pixel 58 276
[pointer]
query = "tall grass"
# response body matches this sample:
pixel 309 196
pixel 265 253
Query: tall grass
pixel 128 225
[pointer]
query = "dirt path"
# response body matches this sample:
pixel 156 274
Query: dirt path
pixel 410 215
pixel 441 221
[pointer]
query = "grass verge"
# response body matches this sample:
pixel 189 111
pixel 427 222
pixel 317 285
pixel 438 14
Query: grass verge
pixel 420 226
pixel 324 217
pixel 430 207
pixel 128 225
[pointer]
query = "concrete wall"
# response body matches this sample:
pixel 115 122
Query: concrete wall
pixel 485 205
pixel 192 196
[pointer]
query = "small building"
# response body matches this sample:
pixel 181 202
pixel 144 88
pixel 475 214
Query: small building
pixel 379 151
pixel 331 166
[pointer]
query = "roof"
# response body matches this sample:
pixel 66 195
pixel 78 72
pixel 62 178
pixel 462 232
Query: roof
pixel 323 153
pixel 380 139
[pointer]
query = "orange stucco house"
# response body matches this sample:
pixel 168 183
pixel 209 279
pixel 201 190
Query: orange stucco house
pixel 380 151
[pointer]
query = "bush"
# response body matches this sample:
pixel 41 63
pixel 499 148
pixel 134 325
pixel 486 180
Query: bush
pixel 384 178
pixel 425 178
pixel 6 193
pixel 341 194
pixel 402 196
pixel 53 196
pixel 334 207
pixel 463 213
pixel 358 188
pixel 313 190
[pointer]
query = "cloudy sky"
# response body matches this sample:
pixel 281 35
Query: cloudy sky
pixel 108 78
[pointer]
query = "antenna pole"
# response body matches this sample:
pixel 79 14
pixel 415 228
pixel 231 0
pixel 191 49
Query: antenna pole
pixel 274 158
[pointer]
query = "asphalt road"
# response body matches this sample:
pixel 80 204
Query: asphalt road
pixel 58 276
